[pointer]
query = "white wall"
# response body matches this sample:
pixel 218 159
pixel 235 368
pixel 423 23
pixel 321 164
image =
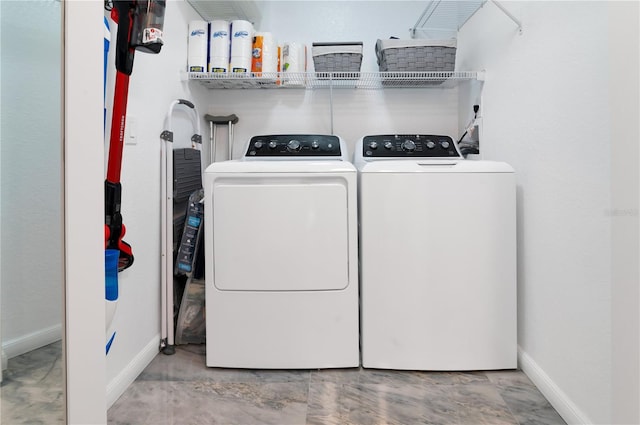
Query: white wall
pixel 3 359
pixel 624 89
pixel 31 176
pixel 154 84
pixel 547 110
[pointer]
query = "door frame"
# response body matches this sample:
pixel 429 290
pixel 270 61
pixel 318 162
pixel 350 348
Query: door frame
pixel 84 336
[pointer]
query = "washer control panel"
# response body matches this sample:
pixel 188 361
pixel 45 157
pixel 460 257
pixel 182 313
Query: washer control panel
pixel 292 145
pixel 409 146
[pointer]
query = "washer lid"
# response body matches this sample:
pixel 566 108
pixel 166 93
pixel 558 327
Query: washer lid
pixel 435 166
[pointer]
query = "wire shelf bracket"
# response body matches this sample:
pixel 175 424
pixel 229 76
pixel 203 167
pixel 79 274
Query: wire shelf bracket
pixel 451 16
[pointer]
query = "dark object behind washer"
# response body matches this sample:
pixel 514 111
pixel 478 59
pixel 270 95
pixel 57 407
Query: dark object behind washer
pixel 187 173
pixel 187 251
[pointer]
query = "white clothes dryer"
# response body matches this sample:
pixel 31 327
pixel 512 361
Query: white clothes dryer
pixel 281 256
pixel 437 256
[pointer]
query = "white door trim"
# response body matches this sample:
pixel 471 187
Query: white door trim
pixel 84 211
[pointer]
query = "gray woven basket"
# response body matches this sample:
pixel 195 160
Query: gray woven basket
pixel 338 62
pixel 337 57
pixel 415 58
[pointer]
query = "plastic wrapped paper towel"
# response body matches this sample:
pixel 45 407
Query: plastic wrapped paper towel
pixel 241 46
pixel 219 46
pixel 265 54
pixel 197 49
pixel 294 61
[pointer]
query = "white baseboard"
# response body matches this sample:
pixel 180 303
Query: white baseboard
pixel 558 399
pixel 118 385
pixel 24 344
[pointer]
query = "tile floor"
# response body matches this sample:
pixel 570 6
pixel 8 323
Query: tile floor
pixel 180 389
pixel 31 389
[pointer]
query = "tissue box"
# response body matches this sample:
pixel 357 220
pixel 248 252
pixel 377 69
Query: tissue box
pixel 337 57
pixel 416 55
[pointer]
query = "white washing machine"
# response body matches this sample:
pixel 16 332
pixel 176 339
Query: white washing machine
pixel 282 257
pixel 437 256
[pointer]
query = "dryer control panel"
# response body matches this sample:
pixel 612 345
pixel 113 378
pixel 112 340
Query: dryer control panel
pixel 294 145
pixel 409 146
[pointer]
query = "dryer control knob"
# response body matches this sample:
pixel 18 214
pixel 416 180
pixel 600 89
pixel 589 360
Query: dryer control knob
pixel 257 145
pixel 444 144
pixel 293 145
pixel 315 145
pixel 272 144
pixel 373 145
pixel 430 144
pixel 408 145
pixel 388 145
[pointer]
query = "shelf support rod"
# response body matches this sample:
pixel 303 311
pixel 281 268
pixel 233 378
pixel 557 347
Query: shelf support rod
pixel 509 14
pixel 423 19
pixel 331 99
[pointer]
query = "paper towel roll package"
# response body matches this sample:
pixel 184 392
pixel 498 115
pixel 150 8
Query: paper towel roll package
pixel 219 46
pixel 256 53
pixel 241 46
pixel 264 54
pixel 197 49
pixel 293 62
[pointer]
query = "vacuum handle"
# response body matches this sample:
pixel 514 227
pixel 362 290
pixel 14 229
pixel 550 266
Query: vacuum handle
pixel 121 14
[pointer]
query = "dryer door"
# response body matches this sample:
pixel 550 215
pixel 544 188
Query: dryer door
pixel 280 233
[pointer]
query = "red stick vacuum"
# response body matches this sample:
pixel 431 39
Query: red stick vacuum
pixel 140 24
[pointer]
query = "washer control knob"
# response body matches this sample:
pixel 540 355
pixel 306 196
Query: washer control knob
pixel 444 144
pixel 315 145
pixel 409 146
pixel 293 145
pixel 430 144
pixel 388 145
pixel 272 144
pixel 257 144
pixel 373 145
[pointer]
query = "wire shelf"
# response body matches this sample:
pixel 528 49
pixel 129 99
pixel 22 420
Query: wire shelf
pixel 331 80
